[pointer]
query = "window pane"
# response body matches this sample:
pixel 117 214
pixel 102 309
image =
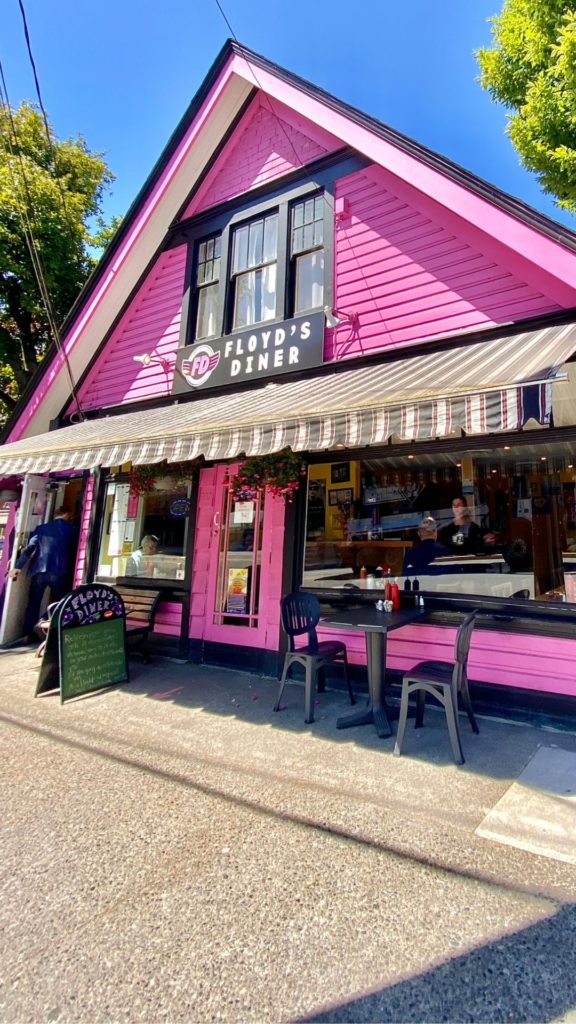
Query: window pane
pixel 240 254
pixel 308 211
pixel 206 323
pixel 201 276
pixel 309 281
pixel 318 232
pixel 298 215
pixel 318 208
pixel 217 246
pixel 255 298
pixel 210 249
pixel 271 238
pixel 157 550
pixel 255 246
pixel 298 240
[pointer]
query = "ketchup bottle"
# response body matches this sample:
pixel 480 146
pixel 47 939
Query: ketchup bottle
pixel 388 591
pixel 395 596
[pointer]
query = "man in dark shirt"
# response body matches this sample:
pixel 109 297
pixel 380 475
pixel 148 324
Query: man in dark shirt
pixel 49 552
pixel 417 559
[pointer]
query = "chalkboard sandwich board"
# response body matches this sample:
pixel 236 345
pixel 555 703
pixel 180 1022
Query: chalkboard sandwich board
pixel 86 643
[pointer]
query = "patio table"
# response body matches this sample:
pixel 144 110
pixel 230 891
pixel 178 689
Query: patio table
pixel 376 626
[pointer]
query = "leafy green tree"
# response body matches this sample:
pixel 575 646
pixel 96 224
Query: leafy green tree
pixel 56 189
pixel 531 69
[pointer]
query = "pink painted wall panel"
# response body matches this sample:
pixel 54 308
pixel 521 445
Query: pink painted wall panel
pixel 150 324
pixel 168 619
pixel 84 533
pixel 265 146
pixel 527 662
pixel 412 270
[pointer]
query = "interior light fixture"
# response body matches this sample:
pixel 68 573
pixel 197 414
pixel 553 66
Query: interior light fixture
pixel 147 359
pixel 543 458
pixel 336 317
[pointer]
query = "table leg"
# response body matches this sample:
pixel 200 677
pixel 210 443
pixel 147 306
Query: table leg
pixel 376 656
pixel 375 711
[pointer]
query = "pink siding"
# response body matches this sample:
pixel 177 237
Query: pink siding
pixel 6 547
pixel 527 662
pixel 265 146
pixel 80 569
pixel 150 324
pixel 168 619
pixel 411 270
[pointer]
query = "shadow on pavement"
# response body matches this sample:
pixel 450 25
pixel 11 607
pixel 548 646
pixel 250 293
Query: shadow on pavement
pixel 520 977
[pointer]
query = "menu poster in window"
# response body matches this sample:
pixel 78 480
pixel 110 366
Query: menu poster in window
pixel 237 593
pixel 119 517
pixel 243 512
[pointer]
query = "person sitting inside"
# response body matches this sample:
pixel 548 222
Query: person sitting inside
pixel 141 561
pixel 417 559
pixel 463 536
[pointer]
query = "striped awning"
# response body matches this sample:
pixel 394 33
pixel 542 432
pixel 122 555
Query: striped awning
pixel 481 388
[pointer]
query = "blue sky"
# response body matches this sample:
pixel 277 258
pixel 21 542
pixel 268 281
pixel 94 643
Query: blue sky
pixel 122 72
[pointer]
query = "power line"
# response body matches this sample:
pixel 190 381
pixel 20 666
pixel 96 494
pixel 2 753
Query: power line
pixel 23 205
pixel 301 163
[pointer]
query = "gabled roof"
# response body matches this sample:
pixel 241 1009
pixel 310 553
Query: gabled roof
pixel 236 73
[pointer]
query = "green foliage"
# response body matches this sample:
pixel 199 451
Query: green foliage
pixel 142 479
pixel 279 472
pixel 531 69
pixel 60 189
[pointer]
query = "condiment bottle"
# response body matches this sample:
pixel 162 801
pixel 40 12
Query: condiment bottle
pixel 388 591
pixel 407 585
pixel 395 596
pixel 363 572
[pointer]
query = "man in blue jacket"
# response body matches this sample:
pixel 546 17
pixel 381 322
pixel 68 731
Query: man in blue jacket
pixel 49 552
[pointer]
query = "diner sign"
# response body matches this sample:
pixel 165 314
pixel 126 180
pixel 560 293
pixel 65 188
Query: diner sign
pixel 86 643
pixel 262 351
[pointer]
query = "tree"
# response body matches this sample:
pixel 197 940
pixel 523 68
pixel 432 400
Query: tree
pixel 57 188
pixel 531 69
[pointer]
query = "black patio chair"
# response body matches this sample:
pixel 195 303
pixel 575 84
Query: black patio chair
pixel 445 681
pixel 300 614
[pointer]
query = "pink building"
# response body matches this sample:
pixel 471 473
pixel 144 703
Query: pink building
pixel 295 274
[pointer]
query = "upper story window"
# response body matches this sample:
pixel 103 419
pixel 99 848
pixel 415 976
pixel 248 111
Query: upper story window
pixel 254 271
pixel 307 253
pixel 207 284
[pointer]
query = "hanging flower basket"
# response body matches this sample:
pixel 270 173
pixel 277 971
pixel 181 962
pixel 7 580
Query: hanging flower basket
pixel 280 473
pixel 142 479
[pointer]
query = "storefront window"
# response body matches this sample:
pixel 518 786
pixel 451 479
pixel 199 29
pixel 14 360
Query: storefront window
pixel 144 536
pixel 503 527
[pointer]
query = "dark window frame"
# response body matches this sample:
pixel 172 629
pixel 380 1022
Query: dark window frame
pixel 224 220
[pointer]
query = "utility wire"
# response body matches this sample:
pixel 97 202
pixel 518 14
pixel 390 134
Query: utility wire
pixel 300 163
pixel 24 205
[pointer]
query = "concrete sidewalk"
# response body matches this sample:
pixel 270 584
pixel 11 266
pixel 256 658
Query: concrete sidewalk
pixel 172 850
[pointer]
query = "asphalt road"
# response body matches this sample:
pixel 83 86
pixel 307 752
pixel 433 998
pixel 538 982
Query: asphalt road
pixel 174 851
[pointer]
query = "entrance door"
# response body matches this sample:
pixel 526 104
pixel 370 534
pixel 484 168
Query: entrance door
pixel 240 576
pixel 32 512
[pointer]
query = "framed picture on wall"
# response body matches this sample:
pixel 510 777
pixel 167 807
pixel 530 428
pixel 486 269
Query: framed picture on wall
pixel 340 473
pixel 343 496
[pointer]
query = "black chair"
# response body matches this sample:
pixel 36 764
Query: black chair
pixel 300 614
pixel 445 681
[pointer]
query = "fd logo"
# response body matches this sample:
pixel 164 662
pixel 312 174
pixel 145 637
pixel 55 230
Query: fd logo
pixel 199 367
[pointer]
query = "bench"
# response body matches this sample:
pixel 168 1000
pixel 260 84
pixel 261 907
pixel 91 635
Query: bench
pixel 140 605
